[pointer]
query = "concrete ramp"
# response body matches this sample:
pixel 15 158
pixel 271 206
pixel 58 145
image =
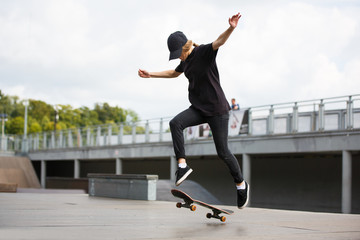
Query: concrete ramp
pixel 18 170
pixel 194 189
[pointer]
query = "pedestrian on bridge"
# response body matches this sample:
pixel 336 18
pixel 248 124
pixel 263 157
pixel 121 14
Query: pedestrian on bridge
pixel 208 101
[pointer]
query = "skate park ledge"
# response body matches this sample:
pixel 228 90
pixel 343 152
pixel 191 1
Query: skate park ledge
pixel 124 186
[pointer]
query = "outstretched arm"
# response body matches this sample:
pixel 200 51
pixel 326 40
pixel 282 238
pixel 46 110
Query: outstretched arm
pixel 233 21
pixel 163 74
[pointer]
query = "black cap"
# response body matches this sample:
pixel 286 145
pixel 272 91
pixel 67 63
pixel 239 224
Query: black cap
pixel 175 43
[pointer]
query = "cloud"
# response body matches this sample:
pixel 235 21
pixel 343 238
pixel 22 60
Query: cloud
pixel 83 52
pixel 293 52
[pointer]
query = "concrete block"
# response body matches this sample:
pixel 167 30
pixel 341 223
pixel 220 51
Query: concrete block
pixel 8 187
pixel 126 186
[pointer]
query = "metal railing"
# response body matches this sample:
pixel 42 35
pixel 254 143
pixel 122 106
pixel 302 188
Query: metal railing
pixel 328 114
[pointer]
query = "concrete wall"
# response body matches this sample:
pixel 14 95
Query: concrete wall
pixel 301 171
pixel 310 182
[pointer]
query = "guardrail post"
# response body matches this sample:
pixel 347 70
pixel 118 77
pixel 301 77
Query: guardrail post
pixel 121 133
pixel 250 122
pixel 37 140
pixel 60 143
pixel 88 137
pixel 321 116
pixel 79 137
pixel 30 142
pixel 349 114
pixel 270 122
pixel 70 140
pixel 44 141
pixel 98 134
pixel 134 132
pixel 295 119
pixel 147 137
pixel 161 130
pixel 109 135
pixel 52 145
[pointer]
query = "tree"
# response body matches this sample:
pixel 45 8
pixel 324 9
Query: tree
pixel 15 125
pixel 38 109
pixel 34 127
pixel 41 115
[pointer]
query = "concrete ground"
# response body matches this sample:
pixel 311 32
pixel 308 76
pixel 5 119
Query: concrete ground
pixel 59 215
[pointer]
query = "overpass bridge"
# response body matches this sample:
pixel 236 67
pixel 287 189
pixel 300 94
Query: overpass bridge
pixel 300 155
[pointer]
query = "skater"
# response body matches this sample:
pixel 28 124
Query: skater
pixel 208 102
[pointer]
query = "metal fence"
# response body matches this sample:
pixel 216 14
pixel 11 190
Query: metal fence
pixel 330 114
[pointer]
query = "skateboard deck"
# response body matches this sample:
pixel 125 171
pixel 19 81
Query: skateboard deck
pixel 189 203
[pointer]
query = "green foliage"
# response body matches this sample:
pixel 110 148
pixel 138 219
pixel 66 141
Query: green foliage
pixel 15 125
pixel 41 115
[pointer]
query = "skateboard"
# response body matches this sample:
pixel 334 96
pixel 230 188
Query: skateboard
pixel 189 203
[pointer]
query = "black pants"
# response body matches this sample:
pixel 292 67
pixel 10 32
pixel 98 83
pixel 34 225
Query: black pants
pixel 219 128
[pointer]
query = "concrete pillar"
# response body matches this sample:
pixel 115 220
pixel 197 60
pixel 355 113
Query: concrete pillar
pixel 76 168
pixel 346 182
pixel 43 174
pixel 173 168
pixel 246 169
pixel 118 166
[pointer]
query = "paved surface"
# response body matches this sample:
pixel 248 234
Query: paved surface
pixel 77 216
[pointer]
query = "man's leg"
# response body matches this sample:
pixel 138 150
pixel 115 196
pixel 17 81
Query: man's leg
pixel 187 118
pixel 219 127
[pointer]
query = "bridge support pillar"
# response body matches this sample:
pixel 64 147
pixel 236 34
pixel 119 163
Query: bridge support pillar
pixel 76 168
pixel 118 166
pixel 246 169
pixel 43 174
pixel 346 182
pixel 173 167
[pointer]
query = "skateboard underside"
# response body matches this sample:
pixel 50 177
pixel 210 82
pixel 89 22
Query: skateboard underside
pixel 215 213
pixel 189 203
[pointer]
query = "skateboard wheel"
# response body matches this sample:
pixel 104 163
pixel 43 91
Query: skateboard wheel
pixel 223 219
pixel 209 215
pixel 178 205
pixel 192 207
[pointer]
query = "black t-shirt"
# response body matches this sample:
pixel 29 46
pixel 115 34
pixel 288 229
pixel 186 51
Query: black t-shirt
pixel 205 92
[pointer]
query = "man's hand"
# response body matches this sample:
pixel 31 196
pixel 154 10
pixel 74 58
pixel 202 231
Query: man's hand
pixel 144 73
pixel 233 21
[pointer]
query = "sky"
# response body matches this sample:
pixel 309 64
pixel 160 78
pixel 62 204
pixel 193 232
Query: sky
pixel 82 52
